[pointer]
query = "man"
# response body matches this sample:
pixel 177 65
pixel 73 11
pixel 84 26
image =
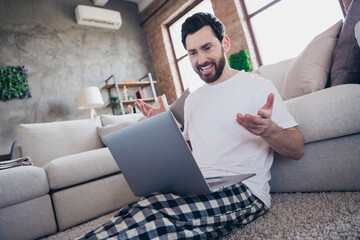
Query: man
pixel 232 123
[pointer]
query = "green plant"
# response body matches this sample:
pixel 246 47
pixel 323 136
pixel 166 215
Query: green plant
pixel 240 61
pixel 13 83
pixel 115 104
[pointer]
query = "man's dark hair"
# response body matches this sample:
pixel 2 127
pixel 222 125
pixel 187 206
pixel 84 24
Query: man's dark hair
pixel 198 21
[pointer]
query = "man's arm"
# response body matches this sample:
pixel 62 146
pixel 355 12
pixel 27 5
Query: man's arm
pixel 288 142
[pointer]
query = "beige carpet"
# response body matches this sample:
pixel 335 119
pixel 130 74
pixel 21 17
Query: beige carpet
pixel 293 216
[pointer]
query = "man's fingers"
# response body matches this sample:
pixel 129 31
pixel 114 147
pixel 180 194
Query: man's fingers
pixel 253 128
pixel 161 102
pixel 265 113
pixel 149 114
pixel 251 119
pixel 270 101
pixel 143 107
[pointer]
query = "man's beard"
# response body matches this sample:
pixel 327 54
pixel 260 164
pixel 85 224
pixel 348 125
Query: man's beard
pixel 219 68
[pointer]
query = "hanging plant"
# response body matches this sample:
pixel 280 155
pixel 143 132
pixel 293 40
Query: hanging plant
pixel 13 83
pixel 240 61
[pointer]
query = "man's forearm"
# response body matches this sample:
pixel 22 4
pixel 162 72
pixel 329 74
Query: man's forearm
pixel 288 142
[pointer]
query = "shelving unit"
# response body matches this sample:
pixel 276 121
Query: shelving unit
pixel 139 84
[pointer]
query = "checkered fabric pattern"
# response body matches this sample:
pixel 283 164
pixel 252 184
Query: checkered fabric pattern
pixel 167 216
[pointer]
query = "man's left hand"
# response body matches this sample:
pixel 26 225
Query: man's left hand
pixel 261 123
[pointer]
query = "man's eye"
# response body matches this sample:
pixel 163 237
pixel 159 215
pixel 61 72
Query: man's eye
pixel 207 48
pixel 192 53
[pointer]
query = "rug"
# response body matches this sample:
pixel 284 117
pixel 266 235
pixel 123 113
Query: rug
pixel 334 215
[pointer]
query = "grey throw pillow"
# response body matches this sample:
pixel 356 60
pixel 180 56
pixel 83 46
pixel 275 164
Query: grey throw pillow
pixel 346 64
pixel 177 108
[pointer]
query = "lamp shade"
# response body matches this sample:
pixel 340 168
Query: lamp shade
pixel 89 97
pixel 357 32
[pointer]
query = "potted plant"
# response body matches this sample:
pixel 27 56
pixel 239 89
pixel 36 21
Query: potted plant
pixel 115 105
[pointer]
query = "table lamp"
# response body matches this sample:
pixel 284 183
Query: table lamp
pixel 90 98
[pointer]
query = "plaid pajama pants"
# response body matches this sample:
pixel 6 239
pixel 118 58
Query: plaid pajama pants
pixel 167 216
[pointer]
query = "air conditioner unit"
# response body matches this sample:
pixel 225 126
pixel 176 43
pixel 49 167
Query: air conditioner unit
pixel 97 17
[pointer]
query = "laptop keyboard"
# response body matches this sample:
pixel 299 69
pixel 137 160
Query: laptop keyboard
pixel 214 184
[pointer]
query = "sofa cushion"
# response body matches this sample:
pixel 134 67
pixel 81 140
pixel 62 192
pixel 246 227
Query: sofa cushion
pixel 113 119
pixel 346 65
pixel 86 201
pixel 275 72
pixel 310 70
pixel 105 130
pixel 79 168
pixel 177 108
pixel 32 219
pixel 328 113
pixel 44 142
pixel 19 184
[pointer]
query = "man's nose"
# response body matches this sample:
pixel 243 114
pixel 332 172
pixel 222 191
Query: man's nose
pixel 201 58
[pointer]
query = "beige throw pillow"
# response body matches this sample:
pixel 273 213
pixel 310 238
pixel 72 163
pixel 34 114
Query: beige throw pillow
pixel 310 70
pixel 102 131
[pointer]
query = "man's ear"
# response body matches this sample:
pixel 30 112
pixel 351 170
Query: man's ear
pixel 226 44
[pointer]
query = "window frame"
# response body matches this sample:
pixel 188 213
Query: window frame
pixel 248 17
pixel 177 60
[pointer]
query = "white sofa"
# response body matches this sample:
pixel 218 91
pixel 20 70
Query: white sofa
pixel 76 179
pixel 329 121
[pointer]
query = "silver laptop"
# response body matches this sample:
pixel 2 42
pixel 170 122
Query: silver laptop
pixel 154 157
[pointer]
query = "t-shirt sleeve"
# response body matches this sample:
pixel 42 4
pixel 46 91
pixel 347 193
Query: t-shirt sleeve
pixel 280 114
pixel 186 120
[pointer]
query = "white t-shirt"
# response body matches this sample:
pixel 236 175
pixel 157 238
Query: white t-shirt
pixel 220 145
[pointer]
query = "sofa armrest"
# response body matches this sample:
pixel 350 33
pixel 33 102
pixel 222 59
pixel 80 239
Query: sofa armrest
pixel 328 113
pixel 15 150
pixel 20 184
pixel 79 168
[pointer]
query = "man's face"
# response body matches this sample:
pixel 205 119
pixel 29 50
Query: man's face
pixel 206 54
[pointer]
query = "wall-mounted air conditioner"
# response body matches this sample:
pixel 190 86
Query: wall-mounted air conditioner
pixel 97 17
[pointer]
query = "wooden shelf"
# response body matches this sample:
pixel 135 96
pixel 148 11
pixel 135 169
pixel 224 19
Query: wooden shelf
pixel 132 101
pixel 131 84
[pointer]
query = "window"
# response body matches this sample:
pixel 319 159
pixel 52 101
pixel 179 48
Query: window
pixel 188 76
pixel 282 28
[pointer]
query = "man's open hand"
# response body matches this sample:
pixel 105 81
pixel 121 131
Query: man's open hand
pixel 148 110
pixel 261 123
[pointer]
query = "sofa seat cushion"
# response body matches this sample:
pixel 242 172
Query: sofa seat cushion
pixel 328 113
pixel 19 184
pixel 44 142
pixel 79 168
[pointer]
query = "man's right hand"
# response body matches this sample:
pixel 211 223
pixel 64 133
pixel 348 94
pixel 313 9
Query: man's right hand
pixel 148 110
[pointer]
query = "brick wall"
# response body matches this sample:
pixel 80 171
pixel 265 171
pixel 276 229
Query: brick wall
pixel 226 11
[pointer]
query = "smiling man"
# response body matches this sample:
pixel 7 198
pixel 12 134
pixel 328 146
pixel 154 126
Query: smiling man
pixel 233 123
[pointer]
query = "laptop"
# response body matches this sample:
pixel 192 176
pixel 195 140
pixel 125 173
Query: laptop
pixel 154 157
